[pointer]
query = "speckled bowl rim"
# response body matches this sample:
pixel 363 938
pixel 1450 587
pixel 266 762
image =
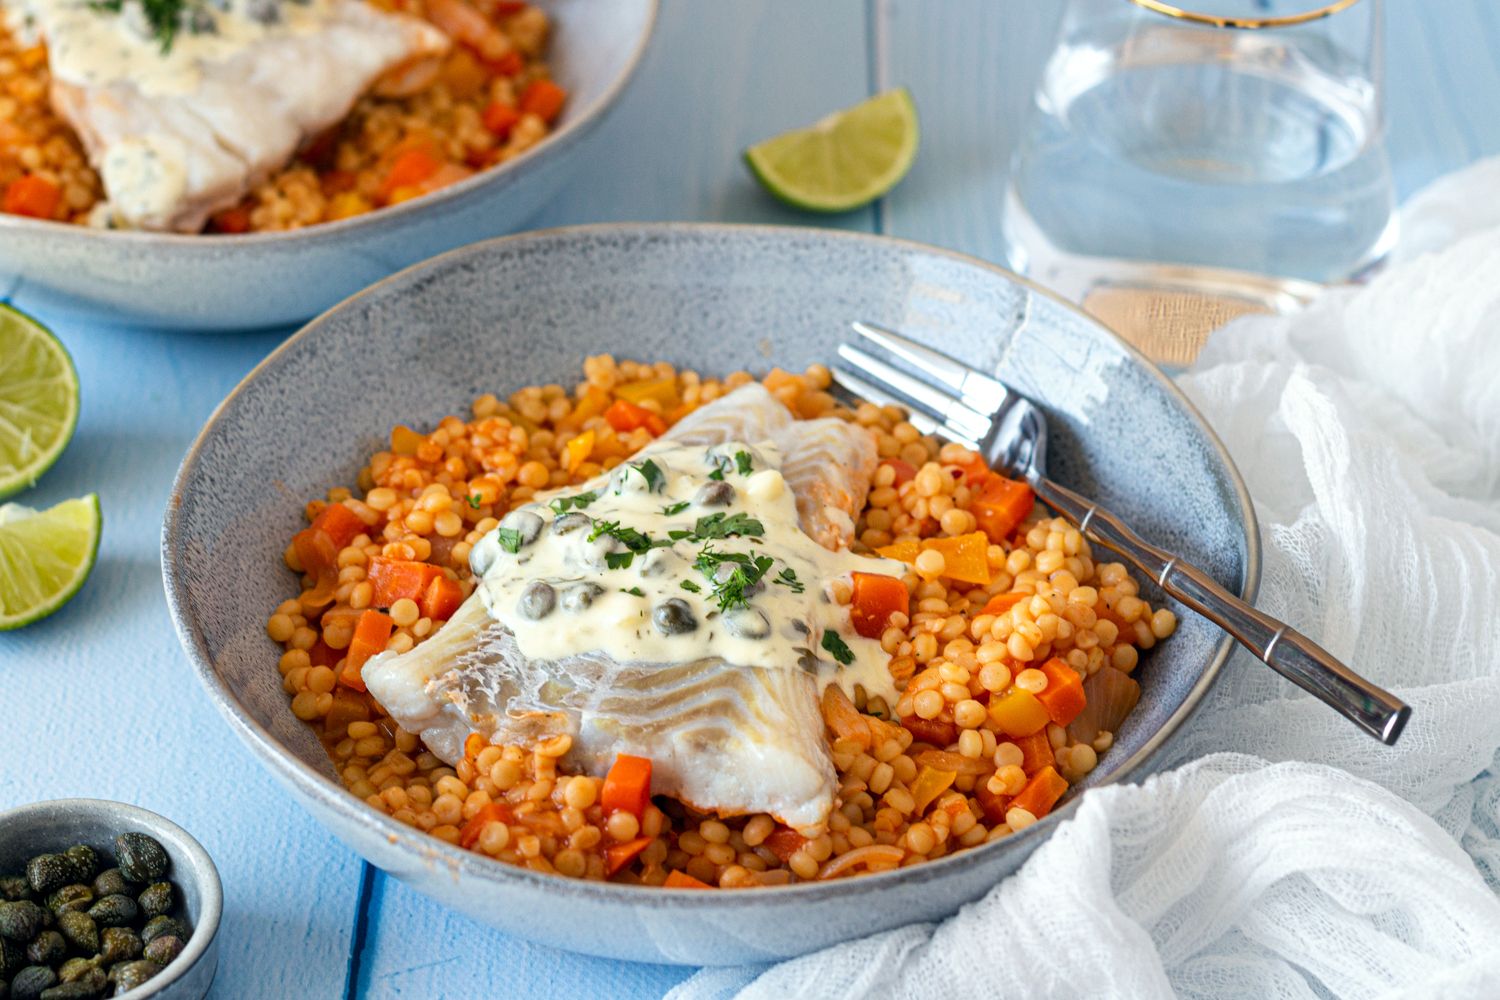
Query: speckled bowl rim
pixel 325 232
pixel 322 789
pixel 205 875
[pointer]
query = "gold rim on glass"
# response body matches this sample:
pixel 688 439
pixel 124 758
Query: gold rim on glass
pixel 1225 21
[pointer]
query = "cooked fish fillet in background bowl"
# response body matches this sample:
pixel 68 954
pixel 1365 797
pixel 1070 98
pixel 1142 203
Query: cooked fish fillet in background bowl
pixel 716 299
pixel 261 95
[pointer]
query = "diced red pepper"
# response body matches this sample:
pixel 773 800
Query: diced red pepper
pixel 625 416
pixel 544 99
pixel 784 842
pixel 682 880
pixel 617 856
pixel 905 471
pixel 32 195
pixel 500 118
pixel 493 812
pixel 875 598
pixel 938 732
pixel 393 579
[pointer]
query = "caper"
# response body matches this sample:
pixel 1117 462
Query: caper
pixel 13 887
pixel 569 523
pixel 714 494
pixel 674 616
pixel 70 897
pixel 580 597
pixel 129 975
pixel 156 899
pixel 47 948
pixel 595 553
pixel 110 882
pixel 526 523
pixel 747 623
pixel 726 571
pixel 658 562
pixel 85 861
pixel 46 872
pixel 164 949
pixel 114 911
pixel 80 930
pixel 142 858
pixel 536 601
pixel 30 981
pixel 119 944
pixel 21 920
pixel 158 926
pixel 75 969
pixel 83 989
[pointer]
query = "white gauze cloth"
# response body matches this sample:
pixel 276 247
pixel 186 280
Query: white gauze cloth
pixel 1289 855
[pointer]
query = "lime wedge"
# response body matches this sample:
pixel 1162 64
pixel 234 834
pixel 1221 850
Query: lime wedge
pixel 844 161
pixel 44 557
pixel 38 400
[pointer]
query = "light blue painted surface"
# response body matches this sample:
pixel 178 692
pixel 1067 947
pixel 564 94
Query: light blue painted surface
pixel 99 700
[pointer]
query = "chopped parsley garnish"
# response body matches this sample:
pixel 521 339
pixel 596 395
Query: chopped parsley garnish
pixel 835 645
pixel 717 475
pixel 691 587
pixel 676 508
pixel 164 16
pixel 656 481
pixel 724 525
pixel 743 463
pixel 619 560
pixel 631 538
pixel 509 539
pixel 473 501
pixel 731 591
pixel 788 578
pixel 564 504
pixel 637 591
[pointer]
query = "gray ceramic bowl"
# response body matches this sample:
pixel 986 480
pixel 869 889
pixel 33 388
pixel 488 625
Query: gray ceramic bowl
pixel 268 279
pixel 52 826
pixel 511 312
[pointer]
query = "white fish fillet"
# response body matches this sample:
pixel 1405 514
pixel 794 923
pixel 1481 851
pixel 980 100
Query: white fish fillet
pixel 169 160
pixel 721 737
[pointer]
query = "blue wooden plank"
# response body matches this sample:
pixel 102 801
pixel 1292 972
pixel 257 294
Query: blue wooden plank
pixel 100 701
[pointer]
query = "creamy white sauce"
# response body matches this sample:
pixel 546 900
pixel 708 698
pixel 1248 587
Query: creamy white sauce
pixel 144 174
pixel 599 603
pixel 91 46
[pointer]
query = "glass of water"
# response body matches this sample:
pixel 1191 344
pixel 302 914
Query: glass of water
pixel 1180 166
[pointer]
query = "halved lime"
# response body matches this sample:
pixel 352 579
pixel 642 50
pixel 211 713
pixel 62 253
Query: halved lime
pixel 844 161
pixel 45 556
pixel 38 400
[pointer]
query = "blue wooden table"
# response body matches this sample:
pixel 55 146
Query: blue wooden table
pixel 105 678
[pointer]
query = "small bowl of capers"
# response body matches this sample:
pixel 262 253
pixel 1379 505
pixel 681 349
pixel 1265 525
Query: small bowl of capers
pixel 103 899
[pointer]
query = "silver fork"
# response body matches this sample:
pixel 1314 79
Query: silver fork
pixel 960 404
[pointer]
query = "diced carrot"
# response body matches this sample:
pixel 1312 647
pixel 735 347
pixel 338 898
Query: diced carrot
pixel 490 812
pixel 232 220
pixel 579 449
pixel 370 636
pixel 509 64
pixel 1001 603
pixel 1001 506
pixel 627 786
pixel 624 416
pixel 1063 696
pixel 1036 751
pixel 966 556
pixel 682 880
pixel 1041 793
pixel 442 598
pixel 32 195
pixel 939 732
pixel 617 856
pixel 662 390
pixel 876 597
pixel 1018 713
pixel 544 99
pixel 784 842
pixel 993 804
pixel 905 471
pixel 317 554
pixel 393 579
pixel 409 169
pixel 340 524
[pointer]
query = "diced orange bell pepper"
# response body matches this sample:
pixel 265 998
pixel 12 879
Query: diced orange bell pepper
pixel 405 441
pixel 544 99
pixel 928 785
pixel 1041 793
pixel 966 556
pixel 627 786
pixel 33 196
pixel 340 524
pixel 1018 713
pixel 904 551
pixel 1001 506
pixel 1063 696
pixel 579 449
pixel 875 598
pixel 370 636
pixel 617 856
pixel 317 554
pixel 393 579
pixel 1001 603
pixel 662 390
pixel 682 880
pixel 442 598
pixel 593 402
pixel 1036 752
pixel 492 812
pixel 624 416
pixel 784 842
